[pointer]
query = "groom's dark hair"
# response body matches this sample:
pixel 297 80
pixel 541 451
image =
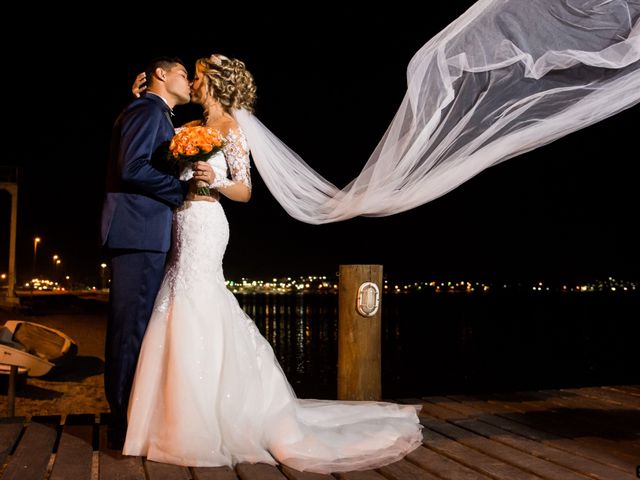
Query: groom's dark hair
pixel 161 62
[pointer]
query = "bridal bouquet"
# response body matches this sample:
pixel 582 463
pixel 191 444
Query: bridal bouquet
pixel 194 144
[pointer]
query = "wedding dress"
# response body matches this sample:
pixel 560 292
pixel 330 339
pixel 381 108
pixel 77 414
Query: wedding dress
pixel 208 390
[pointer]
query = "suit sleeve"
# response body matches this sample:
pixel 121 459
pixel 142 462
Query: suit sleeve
pixel 139 140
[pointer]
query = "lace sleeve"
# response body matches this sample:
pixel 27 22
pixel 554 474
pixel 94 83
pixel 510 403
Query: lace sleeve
pixel 236 152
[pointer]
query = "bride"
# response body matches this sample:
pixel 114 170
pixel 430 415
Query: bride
pixel 208 390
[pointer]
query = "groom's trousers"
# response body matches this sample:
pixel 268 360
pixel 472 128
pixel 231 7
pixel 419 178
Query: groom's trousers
pixel 135 280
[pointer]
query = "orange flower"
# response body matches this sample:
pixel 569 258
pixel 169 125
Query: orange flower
pixel 196 143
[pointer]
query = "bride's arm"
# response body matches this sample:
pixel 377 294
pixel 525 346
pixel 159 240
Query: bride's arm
pixel 236 153
pixel 236 191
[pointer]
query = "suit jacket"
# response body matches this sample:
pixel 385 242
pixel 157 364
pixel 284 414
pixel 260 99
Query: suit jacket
pixel 139 202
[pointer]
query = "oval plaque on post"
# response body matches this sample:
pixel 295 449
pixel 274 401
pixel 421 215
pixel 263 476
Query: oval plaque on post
pixel 368 299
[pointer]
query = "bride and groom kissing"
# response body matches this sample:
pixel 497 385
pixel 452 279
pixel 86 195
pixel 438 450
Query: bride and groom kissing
pixel 188 376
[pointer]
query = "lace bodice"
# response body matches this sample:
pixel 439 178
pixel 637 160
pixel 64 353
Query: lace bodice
pixel 232 161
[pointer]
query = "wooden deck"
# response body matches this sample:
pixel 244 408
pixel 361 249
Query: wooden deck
pixel 572 434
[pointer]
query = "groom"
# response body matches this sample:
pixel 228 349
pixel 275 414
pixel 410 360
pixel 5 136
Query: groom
pixel 136 225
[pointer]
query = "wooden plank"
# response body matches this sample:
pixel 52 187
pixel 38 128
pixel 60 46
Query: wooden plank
pixel 258 471
pixel 633 390
pixel 572 462
pixel 609 396
pixel 292 474
pixel 404 470
pixel 536 406
pixel 589 454
pixel 31 458
pixel 630 389
pixel 115 466
pixel 606 400
pixel 10 430
pixel 432 409
pixel 49 420
pixel 475 464
pixel 112 465
pixel 364 475
pixel 213 473
pixel 611 412
pixel 75 450
pixel 82 426
pixel 501 451
pixel 614 423
pixel 165 471
pixel 539 417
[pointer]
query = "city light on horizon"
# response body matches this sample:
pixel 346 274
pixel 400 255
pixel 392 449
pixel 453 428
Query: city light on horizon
pixel 321 284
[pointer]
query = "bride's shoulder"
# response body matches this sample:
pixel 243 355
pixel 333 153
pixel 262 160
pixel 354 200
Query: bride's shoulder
pixel 231 129
pixel 228 125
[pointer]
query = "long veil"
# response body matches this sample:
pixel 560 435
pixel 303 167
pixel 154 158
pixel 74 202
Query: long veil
pixel 504 78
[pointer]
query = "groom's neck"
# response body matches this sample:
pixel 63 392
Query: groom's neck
pixel 163 97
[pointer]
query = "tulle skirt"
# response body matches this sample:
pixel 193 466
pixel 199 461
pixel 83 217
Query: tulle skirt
pixel 208 390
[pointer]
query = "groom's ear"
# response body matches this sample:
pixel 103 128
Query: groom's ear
pixel 160 73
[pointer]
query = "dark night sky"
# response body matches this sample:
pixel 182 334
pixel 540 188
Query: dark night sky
pixel 565 211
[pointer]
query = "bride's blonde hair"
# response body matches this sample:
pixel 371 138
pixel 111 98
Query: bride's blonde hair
pixel 229 81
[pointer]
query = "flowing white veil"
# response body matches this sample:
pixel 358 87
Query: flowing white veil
pixel 504 78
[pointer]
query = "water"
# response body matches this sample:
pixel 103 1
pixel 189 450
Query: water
pixel 302 329
pixel 437 343
pixel 462 343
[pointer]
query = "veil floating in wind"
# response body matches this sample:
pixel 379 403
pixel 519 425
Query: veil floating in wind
pixel 504 78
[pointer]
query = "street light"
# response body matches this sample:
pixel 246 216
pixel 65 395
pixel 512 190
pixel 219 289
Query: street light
pixel 36 241
pixel 54 259
pixel 103 276
pixel 57 263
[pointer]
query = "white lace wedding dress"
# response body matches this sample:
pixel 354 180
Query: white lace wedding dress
pixel 208 390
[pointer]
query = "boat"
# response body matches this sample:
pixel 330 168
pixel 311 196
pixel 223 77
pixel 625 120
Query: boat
pixel 34 347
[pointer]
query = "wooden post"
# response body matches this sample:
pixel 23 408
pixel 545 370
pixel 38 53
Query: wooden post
pixel 359 364
pixel 12 188
pixel 11 393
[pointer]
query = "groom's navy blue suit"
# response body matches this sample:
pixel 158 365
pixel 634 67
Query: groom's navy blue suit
pixel 136 230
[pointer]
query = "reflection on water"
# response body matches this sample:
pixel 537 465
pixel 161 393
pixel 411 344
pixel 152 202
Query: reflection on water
pixel 461 343
pixel 302 329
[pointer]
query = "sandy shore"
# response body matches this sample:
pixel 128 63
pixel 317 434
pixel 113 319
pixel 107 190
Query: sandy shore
pixel 74 388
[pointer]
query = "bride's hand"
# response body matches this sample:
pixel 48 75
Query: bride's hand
pixel 139 85
pixel 193 196
pixel 202 172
